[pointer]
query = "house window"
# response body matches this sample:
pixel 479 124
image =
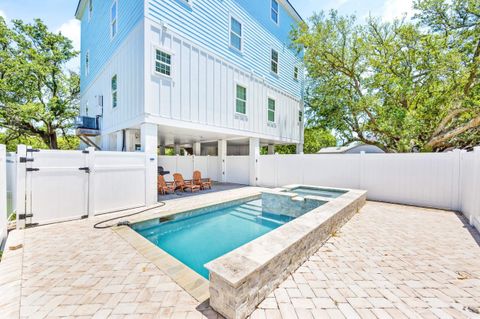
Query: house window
pixel 274 62
pixel 235 34
pixel 90 9
pixel 114 91
pixel 163 63
pixel 113 19
pixel 271 110
pixel 86 108
pixel 295 73
pixel 241 100
pixel 87 63
pixel 274 11
pixel 300 116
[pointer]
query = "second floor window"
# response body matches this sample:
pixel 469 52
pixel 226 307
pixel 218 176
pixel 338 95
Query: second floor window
pixel 87 63
pixel 300 116
pixel 241 100
pixel 90 9
pixel 113 19
pixel 114 91
pixel 163 63
pixel 274 11
pixel 271 110
pixel 295 73
pixel 274 62
pixel 235 34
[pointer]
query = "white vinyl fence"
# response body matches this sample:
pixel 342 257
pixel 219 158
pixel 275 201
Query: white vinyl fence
pixel 186 165
pixel 238 169
pixel 57 185
pixel 440 180
pixel 11 182
pixel 3 195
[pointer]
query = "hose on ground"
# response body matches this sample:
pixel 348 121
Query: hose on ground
pixel 125 223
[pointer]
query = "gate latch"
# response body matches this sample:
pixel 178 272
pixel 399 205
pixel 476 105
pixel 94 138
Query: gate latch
pixel 25 159
pixel 86 169
pixel 31 169
pixel 24 216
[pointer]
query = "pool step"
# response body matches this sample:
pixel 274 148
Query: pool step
pixel 253 216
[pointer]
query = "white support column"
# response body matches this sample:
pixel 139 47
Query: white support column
pixel 120 141
pixel 91 181
pixel 162 150
pixel 151 193
pixel 21 186
pixel 197 149
pixel 105 142
pixel 176 149
pixel 271 149
pixel 129 140
pixel 254 156
pixel 149 138
pixel 299 149
pixel 222 161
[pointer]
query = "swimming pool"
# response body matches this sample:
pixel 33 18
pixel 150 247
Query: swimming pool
pixel 314 191
pixel 196 239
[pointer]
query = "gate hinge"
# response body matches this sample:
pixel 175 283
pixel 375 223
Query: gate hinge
pixel 30 169
pixel 33 150
pixel 86 169
pixel 85 152
pixel 25 159
pixel 24 216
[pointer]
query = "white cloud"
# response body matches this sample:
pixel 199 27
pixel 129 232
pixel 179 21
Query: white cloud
pixel 71 29
pixel 397 9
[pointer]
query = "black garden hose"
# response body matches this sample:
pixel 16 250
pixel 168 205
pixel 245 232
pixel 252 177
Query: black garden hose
pixel 125 223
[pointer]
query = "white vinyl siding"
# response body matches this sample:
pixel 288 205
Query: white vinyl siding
pixel 236 34
pixel 114 19
pixel 241 100
pixel 163 63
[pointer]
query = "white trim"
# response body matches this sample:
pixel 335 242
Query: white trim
pixel 242 35
pixel 112 36
pixel 278 12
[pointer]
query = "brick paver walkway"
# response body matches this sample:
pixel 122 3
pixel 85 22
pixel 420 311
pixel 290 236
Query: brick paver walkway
pixel 388 261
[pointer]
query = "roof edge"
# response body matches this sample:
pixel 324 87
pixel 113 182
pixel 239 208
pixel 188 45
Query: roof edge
pixel 293 12
pixel 80 9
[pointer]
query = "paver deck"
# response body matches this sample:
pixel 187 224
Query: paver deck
pixel 388 261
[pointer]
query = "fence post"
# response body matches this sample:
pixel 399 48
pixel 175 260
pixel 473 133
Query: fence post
pixel 151 172
pixel 91 181
pixel 3 194
pixel 254 156
pixel 222 160
pixel 21 185
pixel 475 218
pixel 361 170
pixel 455 205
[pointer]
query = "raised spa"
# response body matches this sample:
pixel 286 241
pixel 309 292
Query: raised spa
pixel 315 191
pixel 201 236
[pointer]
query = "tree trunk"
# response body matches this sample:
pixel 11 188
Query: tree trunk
pixel 50 139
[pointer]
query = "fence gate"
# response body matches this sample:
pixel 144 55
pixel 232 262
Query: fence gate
pixel 56 185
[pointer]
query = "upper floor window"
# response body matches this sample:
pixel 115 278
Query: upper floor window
pixel 113 19
pixel 274 11
pixel 241 100
pixel 90 9
pixel 114 91
pixel 271 110
pixel 87 63
pixel 300 116
pixel 274 62
pixel 163 63
pixel 236 34
pixel 295 73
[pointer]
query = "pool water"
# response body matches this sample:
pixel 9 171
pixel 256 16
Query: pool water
pixel 199 239
pixel 305 191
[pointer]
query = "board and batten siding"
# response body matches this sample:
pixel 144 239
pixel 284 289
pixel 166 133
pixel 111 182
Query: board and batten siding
pixel 202 87
pixel 128 64
pixel 95 36
pixel 207 24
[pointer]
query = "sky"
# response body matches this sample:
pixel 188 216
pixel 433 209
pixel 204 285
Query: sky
pixel 59 14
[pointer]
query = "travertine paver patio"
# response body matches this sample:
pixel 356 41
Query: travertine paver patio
pixel 388 261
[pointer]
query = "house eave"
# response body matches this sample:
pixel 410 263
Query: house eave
pixel 292 11
pixel 80 8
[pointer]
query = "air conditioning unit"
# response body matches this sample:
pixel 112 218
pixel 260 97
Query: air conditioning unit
pixel 86 122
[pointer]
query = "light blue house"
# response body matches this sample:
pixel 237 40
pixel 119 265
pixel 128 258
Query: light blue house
pixel 202 75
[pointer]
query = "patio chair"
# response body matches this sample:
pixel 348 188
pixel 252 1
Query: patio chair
pixel 165 187
pixel 204 183
pixel 184 184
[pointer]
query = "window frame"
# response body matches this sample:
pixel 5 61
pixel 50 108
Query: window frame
pixel 114 92
pixel 87 63
pixel 271 98
pixel 90 10
pixel 230 32
pixel 277 12
pixel 276 62
pixel 296 73
pixel 113 21
pixel 155 49
pixel 238 84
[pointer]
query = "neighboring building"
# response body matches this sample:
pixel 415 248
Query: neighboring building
pixel 351 149
pixel 189 73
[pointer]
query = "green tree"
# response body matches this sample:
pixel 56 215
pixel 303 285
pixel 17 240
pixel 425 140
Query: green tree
pixel 314 139
pixel 397 85
pixel 38 96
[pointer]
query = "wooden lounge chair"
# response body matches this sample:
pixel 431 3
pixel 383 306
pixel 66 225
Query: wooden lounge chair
pixel 204 183
pixel 184 184
pixel 163 186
